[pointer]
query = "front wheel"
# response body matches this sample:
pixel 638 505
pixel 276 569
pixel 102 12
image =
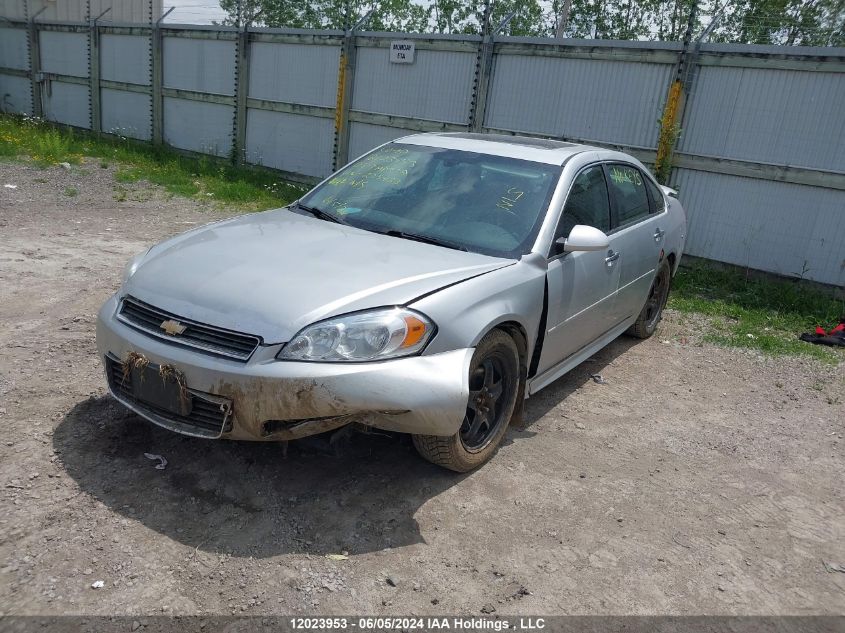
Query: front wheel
pixel 652 311
pixel 493 387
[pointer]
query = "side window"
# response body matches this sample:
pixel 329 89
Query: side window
pixel 587 203
pixel 627 186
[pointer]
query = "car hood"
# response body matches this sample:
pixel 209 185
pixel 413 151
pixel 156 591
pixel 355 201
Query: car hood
pixel 271 274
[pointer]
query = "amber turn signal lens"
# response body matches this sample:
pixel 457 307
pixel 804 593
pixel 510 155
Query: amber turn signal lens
pixel 416 330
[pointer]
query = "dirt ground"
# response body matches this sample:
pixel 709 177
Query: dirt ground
pixel 698 480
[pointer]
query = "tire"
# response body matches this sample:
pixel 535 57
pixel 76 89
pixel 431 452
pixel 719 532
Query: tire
pixel 652 311
pixel 494 369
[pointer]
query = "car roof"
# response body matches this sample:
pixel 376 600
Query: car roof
pixel 539 150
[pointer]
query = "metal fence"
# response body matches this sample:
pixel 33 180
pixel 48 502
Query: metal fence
pixel 759 162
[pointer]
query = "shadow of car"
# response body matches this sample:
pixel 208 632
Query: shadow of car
pixel 253 499
pixel 246 498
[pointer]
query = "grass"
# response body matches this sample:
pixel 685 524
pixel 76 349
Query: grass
pixel 202 178
pixel 757 313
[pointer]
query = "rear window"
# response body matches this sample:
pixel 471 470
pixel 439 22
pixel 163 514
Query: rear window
pixel 628 190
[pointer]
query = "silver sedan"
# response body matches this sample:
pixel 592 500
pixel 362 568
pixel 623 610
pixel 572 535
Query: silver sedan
pixel 429 287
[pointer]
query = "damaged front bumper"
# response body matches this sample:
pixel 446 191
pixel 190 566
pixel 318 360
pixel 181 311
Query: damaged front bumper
pixel 271 400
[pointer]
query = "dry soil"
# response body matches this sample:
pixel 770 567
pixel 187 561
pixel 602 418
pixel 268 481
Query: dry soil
pixel 697 480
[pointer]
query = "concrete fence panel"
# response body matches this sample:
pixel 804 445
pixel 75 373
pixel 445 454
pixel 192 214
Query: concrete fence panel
pixel 125 58
pixel 126 114
pixel 198 126
pixel 67 103
pixel 125 70
pixel 294 73
pixel 196 74
pixel 292 94
pixel 14 49
pixel 15 89
pixel 365 136
pixel 436 87
pixel 790 117
pixel 199 65
pixel 592 99
pixel 64 53
pixel 784 228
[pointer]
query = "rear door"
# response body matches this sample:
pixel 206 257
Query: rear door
pixel 581 284
pixel 639 223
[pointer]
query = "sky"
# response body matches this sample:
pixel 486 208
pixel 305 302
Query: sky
pixel 194 11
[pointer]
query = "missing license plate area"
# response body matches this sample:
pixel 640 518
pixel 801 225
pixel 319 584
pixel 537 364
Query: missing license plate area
pixel 160 389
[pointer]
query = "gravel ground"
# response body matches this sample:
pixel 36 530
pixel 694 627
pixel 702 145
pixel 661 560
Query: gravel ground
pixel 698 480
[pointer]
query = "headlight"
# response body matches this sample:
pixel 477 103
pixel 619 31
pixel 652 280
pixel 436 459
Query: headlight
pixel 374 335
pixel 133 264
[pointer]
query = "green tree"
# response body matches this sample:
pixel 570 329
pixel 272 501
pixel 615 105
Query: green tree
pixel 788 22
pixel 528 19
pixel 389 15
pixel 454 16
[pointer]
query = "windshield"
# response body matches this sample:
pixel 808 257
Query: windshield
pixel 486 204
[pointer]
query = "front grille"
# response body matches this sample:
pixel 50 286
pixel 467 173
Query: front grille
pixel 204 337
pixel 206 415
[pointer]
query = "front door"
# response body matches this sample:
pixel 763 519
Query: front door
pixel 581 285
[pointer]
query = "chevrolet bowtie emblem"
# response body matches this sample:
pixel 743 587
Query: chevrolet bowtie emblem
pixel 174 328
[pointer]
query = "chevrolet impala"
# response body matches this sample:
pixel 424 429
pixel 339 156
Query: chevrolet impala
pixel 429 287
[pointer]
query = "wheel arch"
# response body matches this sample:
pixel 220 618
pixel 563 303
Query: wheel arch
pixel 519 335
pixel 672 259
pixel 513 328
pixel 517 332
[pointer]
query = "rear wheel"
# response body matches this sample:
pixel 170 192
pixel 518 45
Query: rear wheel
pixel 493 388
pixel 652 311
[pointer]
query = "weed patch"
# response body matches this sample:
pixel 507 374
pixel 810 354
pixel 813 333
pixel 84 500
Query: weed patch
pixel 757 313
pixel 202 178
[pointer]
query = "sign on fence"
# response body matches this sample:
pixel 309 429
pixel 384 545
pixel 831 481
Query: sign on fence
pixel 402 52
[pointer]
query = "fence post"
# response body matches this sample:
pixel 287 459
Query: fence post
pixel 667 138
pixel 155 47
pixel 345 83
pixel 484 68
pixel 94 75
pixel 241 91
pixel 482 83
pixel 345 86
pixel 35 66
pixel 156 78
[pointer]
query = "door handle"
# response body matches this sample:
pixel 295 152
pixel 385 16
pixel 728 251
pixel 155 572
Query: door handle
pixel 612 256
pixel 658 235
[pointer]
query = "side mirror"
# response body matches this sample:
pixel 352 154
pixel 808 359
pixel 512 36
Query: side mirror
pixel 583 238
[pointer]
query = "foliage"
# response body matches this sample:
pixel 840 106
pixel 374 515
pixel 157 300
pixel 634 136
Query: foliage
pixel 391 15
pixel 49 146
pixel 789 22
pixel 757 312
pixel 204 177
